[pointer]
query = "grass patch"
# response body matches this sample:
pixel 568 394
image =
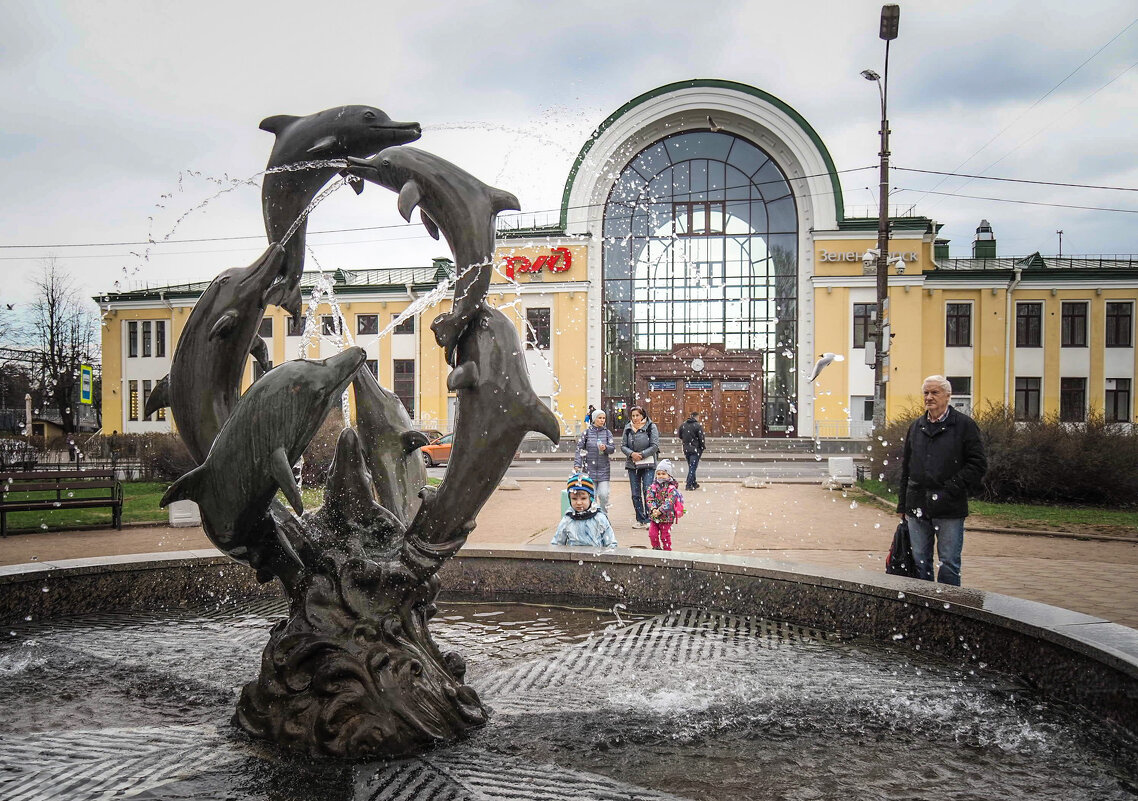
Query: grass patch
pixel 140 505
pixel 1029 515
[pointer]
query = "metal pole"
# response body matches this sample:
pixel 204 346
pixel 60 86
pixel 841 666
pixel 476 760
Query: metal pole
pixel 880 374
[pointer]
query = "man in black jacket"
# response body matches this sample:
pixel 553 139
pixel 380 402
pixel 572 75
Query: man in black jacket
pixel 944 461
pixel 691 434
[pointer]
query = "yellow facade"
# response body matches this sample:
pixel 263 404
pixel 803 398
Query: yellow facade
pixel 918 300
pixel 561 291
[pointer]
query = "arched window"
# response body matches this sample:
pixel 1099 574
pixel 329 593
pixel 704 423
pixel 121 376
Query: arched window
pixel 701 246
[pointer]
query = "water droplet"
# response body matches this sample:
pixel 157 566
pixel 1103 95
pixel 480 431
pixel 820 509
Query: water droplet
pixel 853 504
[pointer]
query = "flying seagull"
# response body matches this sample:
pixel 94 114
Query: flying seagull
pixel 824 360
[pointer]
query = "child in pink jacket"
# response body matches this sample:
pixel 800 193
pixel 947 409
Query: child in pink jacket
pixel 665 505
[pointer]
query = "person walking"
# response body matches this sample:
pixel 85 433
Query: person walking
pixel 691 434
pixel 665 505
pixel 640 443
pixel 589 414
pixel 594 448
pixel 943 463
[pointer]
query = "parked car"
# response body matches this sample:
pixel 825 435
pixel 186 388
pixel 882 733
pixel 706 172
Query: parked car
pixel 432 433
pixel 437 451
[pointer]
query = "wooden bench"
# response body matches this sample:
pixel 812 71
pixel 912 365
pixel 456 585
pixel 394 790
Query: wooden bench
pixel 70 489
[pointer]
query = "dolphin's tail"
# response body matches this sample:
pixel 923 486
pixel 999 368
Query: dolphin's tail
pixel 184 488
pixel 159 397
pixel 543 421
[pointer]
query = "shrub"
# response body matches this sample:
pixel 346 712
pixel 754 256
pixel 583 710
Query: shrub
pixel 1045 461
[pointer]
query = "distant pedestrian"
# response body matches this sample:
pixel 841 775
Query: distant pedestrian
pixel 640 443
pixel 584 525
pixel 943 462
pixel 665 505
pixel 594 449
pixel 691 434
pixel 589 414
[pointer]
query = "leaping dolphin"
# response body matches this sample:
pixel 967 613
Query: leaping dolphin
pixel 205 374
pixel 254 452
pixel 453 201
pixel 496 407
pixel 390 446
pixel 335 133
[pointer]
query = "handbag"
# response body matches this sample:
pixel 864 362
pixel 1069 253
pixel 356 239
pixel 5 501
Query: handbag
pixel 900 561
pixel 647 461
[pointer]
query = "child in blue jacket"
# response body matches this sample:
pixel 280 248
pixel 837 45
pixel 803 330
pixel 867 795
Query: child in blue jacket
pixel 584 524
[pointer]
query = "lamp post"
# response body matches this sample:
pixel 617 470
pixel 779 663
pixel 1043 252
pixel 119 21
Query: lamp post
pixel 890 16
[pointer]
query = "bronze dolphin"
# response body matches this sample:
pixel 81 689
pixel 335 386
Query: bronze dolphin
pixel 453 201
pixel 334 133
pixel 205 374
pixel 390 445
pixel 254 452
pixel 496 407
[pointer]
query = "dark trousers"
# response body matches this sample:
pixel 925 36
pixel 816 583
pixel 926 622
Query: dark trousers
pixel 641 480
pixel 693 463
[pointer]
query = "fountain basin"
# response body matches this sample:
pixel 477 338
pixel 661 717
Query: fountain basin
pixel 1067 656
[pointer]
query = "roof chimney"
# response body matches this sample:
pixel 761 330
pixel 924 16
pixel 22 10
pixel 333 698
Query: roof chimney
pixel 984 245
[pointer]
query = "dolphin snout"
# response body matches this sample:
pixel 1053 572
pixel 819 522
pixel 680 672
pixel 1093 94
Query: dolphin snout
pixel 400 132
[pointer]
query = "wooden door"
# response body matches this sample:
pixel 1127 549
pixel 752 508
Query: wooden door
pixel 696 400
pixel 736 412
pixel 661 406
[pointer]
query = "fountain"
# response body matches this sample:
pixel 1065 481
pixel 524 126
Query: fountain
pixel 601 675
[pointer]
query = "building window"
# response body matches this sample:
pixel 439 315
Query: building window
pixel 958 325
pixel 1072 400
pixel 160 414
pixel 266 328
pixel 373 366
pixel 147 345
pixel 1117 400
pixel 133 407
pixel 405 383
pixel 258 371
pixel 537 328
pixel 961 393
pixel 1029 325
pixel 146 387
pixel 295 327
pixel 160 341
pixel 1027 399
pixel 863 316
pixel 1119 325
pixel 328 325
pixel 1073 329
pixel 367 324
pixel 406 326
pixel 132 339
pixel 702 218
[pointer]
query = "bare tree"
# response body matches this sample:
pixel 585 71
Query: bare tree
pixel 64 326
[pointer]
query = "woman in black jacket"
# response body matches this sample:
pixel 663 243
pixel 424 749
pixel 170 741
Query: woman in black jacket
pixel 641 444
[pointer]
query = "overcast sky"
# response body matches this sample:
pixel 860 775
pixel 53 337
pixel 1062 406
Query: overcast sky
pixel 121 118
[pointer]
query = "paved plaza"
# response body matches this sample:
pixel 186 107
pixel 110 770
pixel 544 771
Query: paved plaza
pixel 793 522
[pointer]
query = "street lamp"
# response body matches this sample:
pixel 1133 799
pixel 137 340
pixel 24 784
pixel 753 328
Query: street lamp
pixel 890 16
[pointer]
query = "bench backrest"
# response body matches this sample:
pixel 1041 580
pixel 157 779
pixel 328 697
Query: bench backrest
pixel 56 481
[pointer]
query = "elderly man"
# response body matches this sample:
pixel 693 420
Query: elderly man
pixel 944 461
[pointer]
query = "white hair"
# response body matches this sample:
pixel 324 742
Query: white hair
pixel 940 381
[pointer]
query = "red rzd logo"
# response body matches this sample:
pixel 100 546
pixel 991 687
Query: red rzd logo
pixel 558 261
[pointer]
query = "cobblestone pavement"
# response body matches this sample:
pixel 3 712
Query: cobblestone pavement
pixel 792 522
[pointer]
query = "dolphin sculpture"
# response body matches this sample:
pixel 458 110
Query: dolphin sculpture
pixel 453 201
pixel 254 452
pixel 496 407
pixel 205 373
pixel 335 133
pixel 390 446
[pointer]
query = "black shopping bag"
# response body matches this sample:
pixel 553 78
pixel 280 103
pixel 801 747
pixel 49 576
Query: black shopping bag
pixel 900 561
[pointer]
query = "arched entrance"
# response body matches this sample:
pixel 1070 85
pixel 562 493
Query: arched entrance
pixel 700 259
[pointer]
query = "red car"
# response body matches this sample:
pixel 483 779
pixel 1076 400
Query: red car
pixel 438 451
